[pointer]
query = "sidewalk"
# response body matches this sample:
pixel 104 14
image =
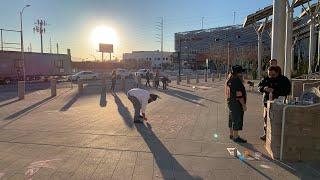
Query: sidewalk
pixel 75 137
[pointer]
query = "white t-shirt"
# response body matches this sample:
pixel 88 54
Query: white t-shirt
pixel 142 95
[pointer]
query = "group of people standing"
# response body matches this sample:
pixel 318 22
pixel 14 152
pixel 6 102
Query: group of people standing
pixel 272 86
pixel 164 79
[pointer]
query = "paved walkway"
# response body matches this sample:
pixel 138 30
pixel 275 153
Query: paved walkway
pixel 92 136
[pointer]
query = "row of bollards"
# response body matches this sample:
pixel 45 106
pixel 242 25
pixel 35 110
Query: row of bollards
pixel 188 77
pixel 22 87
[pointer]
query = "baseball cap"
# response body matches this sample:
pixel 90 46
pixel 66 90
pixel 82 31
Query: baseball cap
pixel 237 69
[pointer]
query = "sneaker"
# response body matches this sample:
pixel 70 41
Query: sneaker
pixel 263 137
pixel 240 140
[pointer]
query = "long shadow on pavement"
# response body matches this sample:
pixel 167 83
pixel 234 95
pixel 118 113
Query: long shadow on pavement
pixel 290 167
pixel 123 111
pixel 186 96
pixel 168 165
pixel 17 114
pixel 70 102
pixel 10 102
pixel 103 98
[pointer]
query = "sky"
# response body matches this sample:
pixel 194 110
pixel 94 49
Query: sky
pixel 71 22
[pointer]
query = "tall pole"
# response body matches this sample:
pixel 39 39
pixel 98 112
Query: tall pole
pixel 161 34
pixel 22 48
pixel 288 42
pixel 311 45
pixel 202 22
pixel 57 48
pixel 41 42
pixel 278 31
pixel 318 63
pixel 234 18
pixel 179 59
pixel 1 40
pixel 228 68
pixel 259 54
pixel 50 46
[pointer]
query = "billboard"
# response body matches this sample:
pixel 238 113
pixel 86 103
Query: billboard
pixel 106 48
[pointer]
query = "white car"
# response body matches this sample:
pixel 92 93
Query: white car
pixel 122 73
pixel 84 75
pixel 143 72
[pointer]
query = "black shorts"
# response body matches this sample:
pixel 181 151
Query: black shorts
pixel 235 115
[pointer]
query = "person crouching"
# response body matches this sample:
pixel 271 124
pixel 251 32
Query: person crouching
pixel 140 98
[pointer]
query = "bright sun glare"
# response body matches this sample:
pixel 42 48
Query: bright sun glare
pixel 103 34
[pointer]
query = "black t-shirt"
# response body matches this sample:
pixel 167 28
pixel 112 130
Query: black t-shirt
pixel 233 86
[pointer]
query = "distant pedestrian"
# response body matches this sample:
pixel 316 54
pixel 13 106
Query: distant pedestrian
pixel 156 79
pixel 236 99
pixel 273 62
pixel 140 98
pixel 113 80
pixel 148 79
pixel 164 81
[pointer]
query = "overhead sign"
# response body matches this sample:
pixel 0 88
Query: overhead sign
pixel 106 48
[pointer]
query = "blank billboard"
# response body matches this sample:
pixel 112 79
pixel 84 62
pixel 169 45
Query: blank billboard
pixel 106 48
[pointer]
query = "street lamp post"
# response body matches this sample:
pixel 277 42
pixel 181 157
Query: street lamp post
pixel 22 48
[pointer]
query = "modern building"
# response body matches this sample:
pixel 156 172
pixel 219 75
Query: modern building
pixel 156 58
pixel 235 43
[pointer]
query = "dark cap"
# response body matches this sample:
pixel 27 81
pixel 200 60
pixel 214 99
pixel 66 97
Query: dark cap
pixel 237 69
pixel 154 97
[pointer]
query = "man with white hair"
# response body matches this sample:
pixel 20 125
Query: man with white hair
pixel 140 98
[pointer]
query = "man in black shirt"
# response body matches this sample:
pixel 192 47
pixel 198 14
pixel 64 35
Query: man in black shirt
pixel 236 99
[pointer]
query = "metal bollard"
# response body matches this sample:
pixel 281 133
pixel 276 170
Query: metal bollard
pixel 206 77
pixel 80 86
pixel 53 83
pixel 21 89
pixel 123 84
pixel 188 78
pixel 197 78
pixel 138 81
pixel 178 80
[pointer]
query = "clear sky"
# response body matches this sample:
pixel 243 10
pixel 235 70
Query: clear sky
pixel 71 22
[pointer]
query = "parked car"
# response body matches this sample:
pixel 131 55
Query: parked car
pixel 122 73
pixel 142 72
pixel 84 75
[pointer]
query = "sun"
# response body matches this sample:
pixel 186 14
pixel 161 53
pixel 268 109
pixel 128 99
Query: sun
pixel 103 34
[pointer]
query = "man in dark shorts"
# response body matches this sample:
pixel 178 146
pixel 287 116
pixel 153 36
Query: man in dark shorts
pixel 236 99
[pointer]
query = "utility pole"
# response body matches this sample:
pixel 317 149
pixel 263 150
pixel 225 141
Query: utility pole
pixel 57 48
pixel 40 28
pixel 1 40
pixel 159 27
pixel 202 22
pixel 50 46
pixel 234 18
pixel 228 57
pixel 179 59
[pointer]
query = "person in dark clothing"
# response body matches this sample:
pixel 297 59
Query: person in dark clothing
pixel 113 80
pixel 273 86
pixel 236 100
pixel 148 79
pixel 156 79
pixel 164 81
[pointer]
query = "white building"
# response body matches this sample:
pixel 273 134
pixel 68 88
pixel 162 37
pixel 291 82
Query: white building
pixel 157 58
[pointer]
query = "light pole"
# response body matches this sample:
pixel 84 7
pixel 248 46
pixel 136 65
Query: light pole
pixel 22 48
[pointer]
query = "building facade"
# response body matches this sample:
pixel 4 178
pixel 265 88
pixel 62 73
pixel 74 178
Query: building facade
pixel 156 58
pixel 234 43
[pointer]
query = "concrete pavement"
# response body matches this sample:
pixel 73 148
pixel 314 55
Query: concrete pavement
pixel 91 136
